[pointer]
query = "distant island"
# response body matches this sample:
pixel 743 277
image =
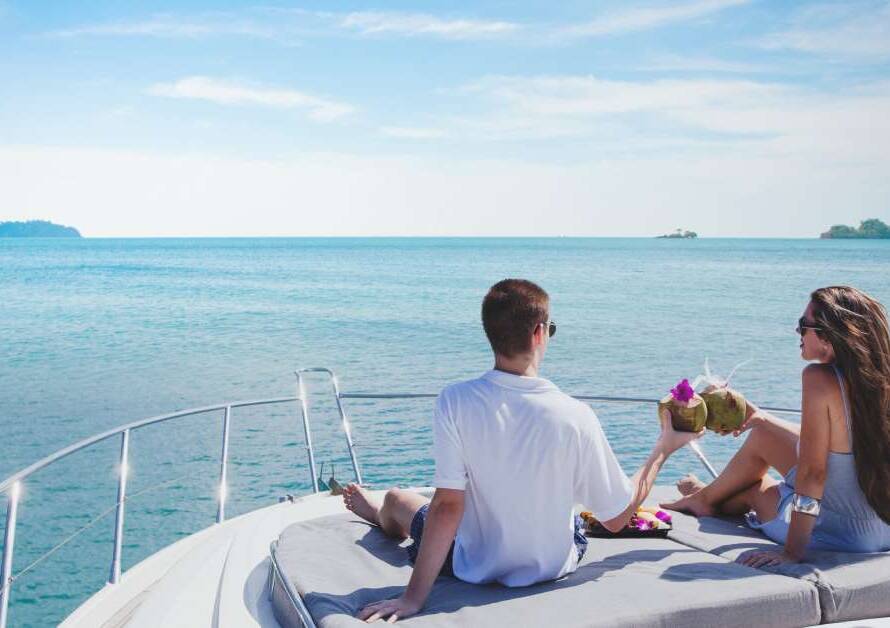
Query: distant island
pixel 868 229
pixel 680 233
pixel 36 229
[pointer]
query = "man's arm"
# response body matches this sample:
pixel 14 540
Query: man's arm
pixel 443 518
pixel 669 441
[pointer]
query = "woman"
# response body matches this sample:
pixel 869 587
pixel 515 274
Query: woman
pixel 836 464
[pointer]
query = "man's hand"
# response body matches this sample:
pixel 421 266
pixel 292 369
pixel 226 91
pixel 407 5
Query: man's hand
pixel 670 439
pixel 390 610
pixel 443 518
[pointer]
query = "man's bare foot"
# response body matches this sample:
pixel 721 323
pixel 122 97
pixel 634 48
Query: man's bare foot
pixel 690 484
pixel 693 504
pixel 359 500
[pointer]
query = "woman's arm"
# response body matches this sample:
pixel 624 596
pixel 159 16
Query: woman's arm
pixel 754 416
pixel 815 434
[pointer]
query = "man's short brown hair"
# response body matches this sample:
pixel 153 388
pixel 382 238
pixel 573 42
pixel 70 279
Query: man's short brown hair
pixel 510 311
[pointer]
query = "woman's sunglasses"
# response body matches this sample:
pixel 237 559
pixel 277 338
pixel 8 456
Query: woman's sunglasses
pixel 803 325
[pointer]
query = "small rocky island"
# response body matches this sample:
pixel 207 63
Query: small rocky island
pixel 680 233
pixel 868 229
pixel 36 229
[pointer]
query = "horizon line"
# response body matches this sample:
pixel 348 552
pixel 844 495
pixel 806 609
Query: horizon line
pixel 410 237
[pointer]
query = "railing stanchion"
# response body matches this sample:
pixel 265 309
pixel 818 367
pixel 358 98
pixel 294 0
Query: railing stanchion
pixel 304 408
pixel 115 575
pixel 223 464
pixel 8 545
pixel 346 429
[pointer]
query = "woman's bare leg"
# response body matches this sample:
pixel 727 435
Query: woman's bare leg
pixel 690 484
pixel 768 445
pixel 762 498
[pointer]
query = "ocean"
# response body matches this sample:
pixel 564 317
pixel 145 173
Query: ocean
pixel 99 332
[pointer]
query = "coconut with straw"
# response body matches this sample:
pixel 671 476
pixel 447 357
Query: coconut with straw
pixel 727 408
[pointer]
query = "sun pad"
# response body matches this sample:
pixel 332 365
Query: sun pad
pixel 338 564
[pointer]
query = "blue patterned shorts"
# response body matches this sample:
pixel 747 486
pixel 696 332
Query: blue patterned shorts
pixel 419 520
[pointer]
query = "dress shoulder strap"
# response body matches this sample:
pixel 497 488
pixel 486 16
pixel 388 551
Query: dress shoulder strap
pixel 842 384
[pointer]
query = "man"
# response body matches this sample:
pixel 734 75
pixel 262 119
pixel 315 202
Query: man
pixel 514 455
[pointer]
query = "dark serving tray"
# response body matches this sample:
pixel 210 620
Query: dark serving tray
pixel 598 531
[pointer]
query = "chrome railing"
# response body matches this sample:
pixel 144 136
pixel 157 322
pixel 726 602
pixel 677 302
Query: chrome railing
pixel 12 485
pixel 304 407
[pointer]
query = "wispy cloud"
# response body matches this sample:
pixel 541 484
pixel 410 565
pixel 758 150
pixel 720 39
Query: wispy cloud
pixel 288 25
pixel 681 63
pixel 588 95
pixel 413 133
pixel 846 29
pixel 649 17
pixel 166 26
pixel 679 115
pixel 292 25
pixel 420 24
pixel 230 93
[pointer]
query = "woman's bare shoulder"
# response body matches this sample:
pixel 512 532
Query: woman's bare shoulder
pixel 819 379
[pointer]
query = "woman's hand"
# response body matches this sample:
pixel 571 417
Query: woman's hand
pixel 752 415
pixel 391 610
pixel 765 558
pixel 751 421
pixel 670 439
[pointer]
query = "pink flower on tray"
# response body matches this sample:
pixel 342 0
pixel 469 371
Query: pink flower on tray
pixel 663 516
pixel 683 391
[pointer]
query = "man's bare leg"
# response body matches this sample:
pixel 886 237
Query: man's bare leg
pixel 393 515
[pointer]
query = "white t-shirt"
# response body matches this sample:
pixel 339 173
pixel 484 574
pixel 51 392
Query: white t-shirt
pixel 526 454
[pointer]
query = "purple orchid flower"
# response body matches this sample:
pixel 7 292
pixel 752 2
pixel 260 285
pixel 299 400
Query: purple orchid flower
pixel 683 391
pixel 663 516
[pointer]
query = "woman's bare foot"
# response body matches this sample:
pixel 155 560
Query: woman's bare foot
pixel 359 500
pixel 693 504
pixel 690 484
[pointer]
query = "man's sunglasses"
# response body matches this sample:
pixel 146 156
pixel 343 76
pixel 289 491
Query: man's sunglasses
pixel 551 328
pixel 803 325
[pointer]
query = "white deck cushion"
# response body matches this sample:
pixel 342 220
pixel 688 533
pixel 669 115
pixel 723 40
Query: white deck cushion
pixel 338 564
pixel 851 586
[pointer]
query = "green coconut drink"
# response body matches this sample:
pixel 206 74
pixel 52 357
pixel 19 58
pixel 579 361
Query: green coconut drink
pixel 689 412
pixel 726 409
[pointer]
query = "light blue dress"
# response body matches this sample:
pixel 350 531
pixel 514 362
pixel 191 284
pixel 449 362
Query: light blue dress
pixel 846 523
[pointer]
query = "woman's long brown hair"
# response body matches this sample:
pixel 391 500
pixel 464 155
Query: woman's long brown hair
pixel 856 326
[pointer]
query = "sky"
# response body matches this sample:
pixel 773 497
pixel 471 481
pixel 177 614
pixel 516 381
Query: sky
pixel 526 118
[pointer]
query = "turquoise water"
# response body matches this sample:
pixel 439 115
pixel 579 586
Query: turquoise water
pixel 100 332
